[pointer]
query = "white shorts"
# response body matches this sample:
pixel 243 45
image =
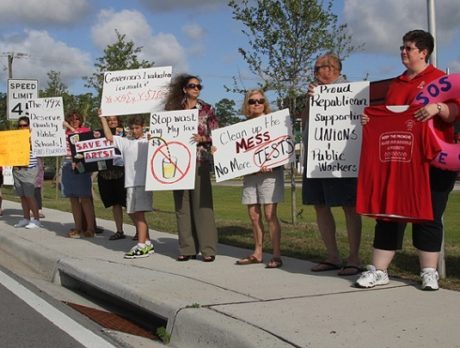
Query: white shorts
pixel 264 188
pixel 137 199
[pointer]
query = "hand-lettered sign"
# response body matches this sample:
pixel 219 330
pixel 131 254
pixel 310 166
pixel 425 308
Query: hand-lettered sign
pixel 441 90
pixel 46 117
pixel 334 133
pixel 244 148
pixel 138 91
pixel 91 151
pixel 172 152
pixel 15 148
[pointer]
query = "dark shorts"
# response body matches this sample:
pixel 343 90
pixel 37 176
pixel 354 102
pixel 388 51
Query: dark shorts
pixel 331 192
pixel 112 191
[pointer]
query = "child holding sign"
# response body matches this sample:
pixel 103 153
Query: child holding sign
pixel 134 150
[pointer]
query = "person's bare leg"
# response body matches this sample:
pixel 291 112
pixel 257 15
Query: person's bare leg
pixel 257 229
pixel 354 227
pixel 117 211
pixel 381 259
pixel 326 226
pixel 76 213
pixel 274 228
pixel 90 216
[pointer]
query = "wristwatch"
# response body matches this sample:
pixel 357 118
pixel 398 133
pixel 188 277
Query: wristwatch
pixel 438 106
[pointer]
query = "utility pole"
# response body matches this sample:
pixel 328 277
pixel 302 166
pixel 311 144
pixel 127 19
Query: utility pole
pixel 11 56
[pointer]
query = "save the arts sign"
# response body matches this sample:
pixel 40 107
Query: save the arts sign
pixel 334 129
pixel 244 148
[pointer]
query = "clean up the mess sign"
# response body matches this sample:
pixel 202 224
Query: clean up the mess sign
pixel 244 148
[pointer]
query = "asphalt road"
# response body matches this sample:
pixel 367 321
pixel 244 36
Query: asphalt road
pixel 29 320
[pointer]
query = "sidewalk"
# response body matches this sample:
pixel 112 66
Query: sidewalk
pixel 239 306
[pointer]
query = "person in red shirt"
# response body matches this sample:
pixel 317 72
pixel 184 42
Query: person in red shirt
pixel 427 236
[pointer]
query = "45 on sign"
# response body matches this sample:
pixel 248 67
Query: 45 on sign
pixel 19 111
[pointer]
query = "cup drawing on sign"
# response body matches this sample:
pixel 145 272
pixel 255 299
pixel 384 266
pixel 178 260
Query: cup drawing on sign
pixel 169 166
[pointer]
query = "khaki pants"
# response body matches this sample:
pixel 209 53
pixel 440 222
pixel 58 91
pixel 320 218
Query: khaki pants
pixel 195 216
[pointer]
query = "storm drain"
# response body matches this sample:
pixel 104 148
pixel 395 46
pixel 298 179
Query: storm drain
pixel 116 313
pixel 112 321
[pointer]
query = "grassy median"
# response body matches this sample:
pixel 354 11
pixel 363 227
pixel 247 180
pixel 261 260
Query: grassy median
pixel 301 241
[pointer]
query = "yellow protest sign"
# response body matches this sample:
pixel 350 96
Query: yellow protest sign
pixel 14 148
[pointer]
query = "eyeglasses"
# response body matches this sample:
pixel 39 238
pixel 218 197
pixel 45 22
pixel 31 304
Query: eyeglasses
pixel 407 48
pixel 319 67
pixel 256 101
pixel 23 125
pixel 194 85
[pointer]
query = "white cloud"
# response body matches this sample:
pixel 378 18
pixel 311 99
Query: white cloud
pixel 43 12
pixel 381 24
pixel 162 48
pixel 171 5
pixel 193 31
pixel 44 53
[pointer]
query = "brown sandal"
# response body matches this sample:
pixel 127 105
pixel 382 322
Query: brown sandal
pixel 73 233
pixel 275 262
pixel 248 260
pixel 117 235
pixel 210 258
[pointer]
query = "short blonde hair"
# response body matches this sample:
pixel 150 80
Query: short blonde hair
pixel 249 94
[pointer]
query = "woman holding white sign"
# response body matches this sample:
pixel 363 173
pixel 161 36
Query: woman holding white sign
pixel 263 189
pixel 194 208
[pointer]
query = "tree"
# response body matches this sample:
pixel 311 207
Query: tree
pixel 285 37
pixel 225 111
pixel 3 109
pixel 121 55
pixel 55 88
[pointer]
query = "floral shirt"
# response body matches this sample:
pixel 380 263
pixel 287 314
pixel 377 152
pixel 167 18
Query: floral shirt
pixel 207 121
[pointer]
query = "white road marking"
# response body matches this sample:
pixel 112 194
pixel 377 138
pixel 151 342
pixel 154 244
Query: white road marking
pixel 62 321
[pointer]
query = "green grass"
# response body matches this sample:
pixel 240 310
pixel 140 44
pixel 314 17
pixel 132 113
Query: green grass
pixel 301 241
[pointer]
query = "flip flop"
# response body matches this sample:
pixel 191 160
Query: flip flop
pixel 350 270
pixel 248 260
pixel 117 235
pixel 275 262
pixel 325 266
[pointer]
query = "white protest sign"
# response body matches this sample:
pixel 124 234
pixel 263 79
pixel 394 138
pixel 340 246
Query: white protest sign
pixel 137 91
pixel 334 133
pixel 20 91
pixel 245 147
pixel 172 154
pixel 46 126
pixel 94 150
pixel 7 173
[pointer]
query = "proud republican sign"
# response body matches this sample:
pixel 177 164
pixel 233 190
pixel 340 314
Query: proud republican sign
pixel 244 148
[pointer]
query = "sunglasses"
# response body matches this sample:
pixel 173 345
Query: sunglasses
pixel 22 125
pixel 193 86
pixel 319 67
pixel 407 48
pixel 256 101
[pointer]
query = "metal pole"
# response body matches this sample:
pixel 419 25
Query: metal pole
pixel 432 29
pixel 433 59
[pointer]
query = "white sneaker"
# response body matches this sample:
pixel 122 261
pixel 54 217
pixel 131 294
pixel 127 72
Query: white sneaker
pixel 429 279
pixel 33 224
pixel 22 223
pixel 372 277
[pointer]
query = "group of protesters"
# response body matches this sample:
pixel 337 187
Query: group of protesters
pixel 124 184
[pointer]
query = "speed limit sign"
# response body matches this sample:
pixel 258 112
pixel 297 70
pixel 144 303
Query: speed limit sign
pixel 19 93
